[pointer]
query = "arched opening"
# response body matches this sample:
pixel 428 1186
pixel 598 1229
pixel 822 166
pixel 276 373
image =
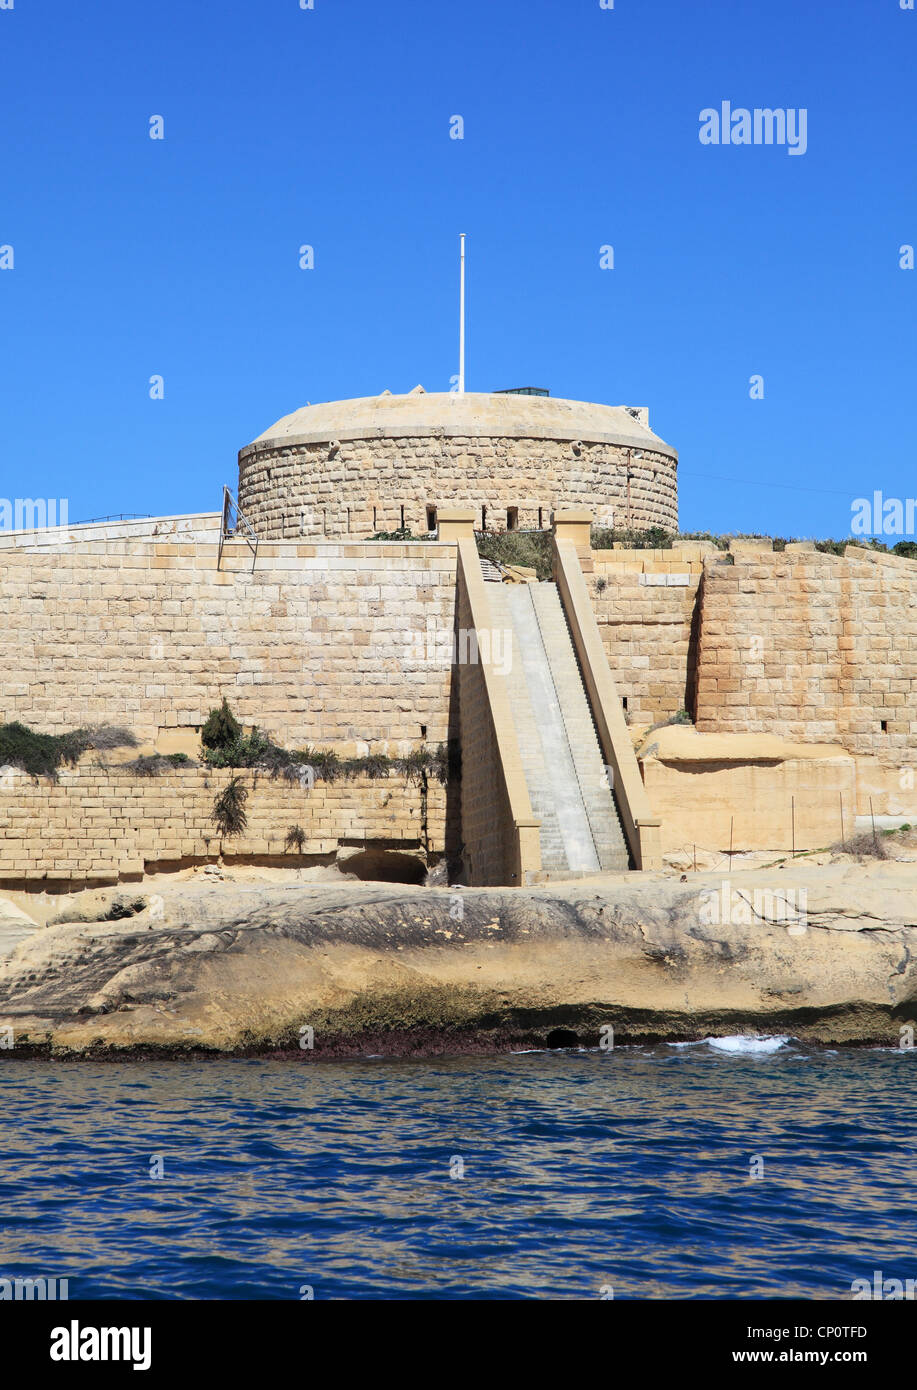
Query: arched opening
pixel 385 866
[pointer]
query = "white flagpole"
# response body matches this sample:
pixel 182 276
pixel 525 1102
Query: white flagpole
pixel 461 380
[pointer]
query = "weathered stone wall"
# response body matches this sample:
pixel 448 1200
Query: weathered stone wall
pixel 499 833
pixel 320 645
pixel 812 647
pixel 369 485
pixel 768 804
pixel 646 605
pixel 105 824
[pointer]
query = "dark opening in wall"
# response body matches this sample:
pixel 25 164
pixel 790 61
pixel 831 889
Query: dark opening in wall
pixel 385 866
pixel 624 701
pixel 540 523
pixel 402 518
pixel 423 731
pixel 512 518
pixel 483 518
pixel 431 518
pixel 375 527
pixel 885 726
pixel 348 520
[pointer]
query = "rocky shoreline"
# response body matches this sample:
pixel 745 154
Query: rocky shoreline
pixel 307 970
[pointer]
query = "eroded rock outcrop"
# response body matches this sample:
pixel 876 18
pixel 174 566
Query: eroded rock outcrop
pixel 389 968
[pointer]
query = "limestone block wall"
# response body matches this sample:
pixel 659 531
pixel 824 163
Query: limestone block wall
pixel 105 824
pixel 646 605
pixel 380 484
pixel 500 836
pixel 324 644
pixel 761 805
pixel 812 647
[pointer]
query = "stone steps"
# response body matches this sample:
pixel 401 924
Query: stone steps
pixel 581 832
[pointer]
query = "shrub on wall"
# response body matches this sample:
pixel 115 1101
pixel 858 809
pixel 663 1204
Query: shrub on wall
pixel 229 813
pixel 221 729
pixel 42 755
pixel 258 751
pixel 296 839
pixel 531 549
pixel 150 765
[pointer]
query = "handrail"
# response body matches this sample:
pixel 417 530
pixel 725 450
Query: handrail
pixel 233 521
pixel 517 828
pixel 641 827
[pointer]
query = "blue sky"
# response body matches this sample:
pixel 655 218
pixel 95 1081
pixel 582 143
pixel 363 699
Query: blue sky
pixel 330 127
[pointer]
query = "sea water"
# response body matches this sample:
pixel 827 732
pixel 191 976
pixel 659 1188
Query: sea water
pixel 725 1169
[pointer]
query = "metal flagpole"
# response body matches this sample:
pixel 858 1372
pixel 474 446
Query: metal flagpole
pixel 461 380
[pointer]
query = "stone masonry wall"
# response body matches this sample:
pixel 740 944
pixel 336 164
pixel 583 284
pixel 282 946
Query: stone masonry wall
pixel 486 814
pixel 812 647
pixel 318 646
pixel 104 824
pixel 382 484
pixel 646 606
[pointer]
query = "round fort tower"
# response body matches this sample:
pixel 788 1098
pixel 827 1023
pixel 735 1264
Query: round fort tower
pixel 379 463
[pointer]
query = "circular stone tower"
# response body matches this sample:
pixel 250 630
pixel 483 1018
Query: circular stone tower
pixel 380 463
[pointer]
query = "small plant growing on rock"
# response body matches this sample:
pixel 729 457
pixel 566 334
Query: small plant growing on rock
pixel 150 765
pixel 296 838
pixel 229 813
pixel 682 717
pixel 221 728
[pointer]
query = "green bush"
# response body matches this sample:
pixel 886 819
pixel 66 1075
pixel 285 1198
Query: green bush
pixel 653 538
pixel 531 549
pixel 258 751
pixel 42 755
pixel 247 750
pixel 221 728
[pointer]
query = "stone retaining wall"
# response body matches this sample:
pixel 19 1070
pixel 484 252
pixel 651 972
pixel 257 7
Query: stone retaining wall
pixel 813 647
pixel 322 644
pixel 100 824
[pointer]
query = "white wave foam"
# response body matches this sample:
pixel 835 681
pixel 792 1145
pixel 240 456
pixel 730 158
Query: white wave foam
pixel 744 1043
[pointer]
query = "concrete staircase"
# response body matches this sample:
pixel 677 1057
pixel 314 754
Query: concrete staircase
pixel 581 831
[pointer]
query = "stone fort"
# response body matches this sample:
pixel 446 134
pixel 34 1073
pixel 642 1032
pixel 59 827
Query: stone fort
pixel 637 706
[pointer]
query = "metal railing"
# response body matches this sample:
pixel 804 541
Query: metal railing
pixel 115 516
pixel 235 525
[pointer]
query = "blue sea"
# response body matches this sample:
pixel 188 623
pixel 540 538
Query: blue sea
pixel 700 1172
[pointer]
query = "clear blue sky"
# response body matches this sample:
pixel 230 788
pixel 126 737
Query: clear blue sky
pixel 330 127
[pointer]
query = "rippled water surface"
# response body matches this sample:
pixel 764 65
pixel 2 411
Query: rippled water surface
pixel 628 1169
